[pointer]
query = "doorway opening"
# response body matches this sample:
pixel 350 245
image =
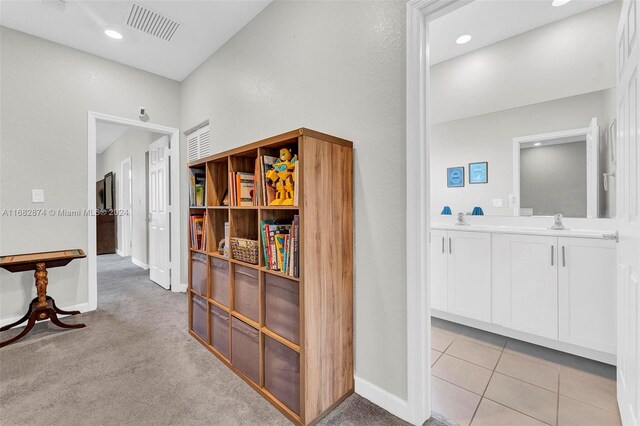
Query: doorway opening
pixel 462 118
pixel 129 195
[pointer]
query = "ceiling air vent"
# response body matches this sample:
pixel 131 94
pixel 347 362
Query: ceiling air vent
pixel 146 20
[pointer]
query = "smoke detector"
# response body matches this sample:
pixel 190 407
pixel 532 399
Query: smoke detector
pixel 151 22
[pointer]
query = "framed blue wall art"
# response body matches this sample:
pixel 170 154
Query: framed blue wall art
pixel 455 177
pixel 478 172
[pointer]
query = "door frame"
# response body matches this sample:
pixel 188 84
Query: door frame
pixel 174 140
pixel 125 250
pixel 419 13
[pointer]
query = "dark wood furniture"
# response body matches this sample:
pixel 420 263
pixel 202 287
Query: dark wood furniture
pixel 105 232
pixel 106 224
pixel 42 307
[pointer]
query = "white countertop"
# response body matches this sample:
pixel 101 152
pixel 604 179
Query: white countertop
pixel 575 233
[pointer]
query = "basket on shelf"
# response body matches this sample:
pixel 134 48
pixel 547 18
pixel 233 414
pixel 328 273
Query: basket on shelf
pixel 245 250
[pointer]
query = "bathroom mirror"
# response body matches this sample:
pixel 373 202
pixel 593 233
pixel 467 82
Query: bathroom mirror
pixel 557 173
pixel 498 95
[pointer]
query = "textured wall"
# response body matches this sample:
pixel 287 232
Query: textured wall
pixel 337 67
pixel 47 90
pixel 133 143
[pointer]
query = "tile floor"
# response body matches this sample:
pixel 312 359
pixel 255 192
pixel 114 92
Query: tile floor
pixel 480 378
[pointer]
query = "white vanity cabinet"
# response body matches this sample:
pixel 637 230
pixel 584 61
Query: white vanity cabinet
pixel 461 273
pixel 552 288
pixel 526 283
pixel 439 273
pixel 587 293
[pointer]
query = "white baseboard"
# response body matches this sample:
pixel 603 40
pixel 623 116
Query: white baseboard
pixel 120 253
pixel 382 398
pixel 139 263
pixel 179 288
pixel 536 340
pixel 83 307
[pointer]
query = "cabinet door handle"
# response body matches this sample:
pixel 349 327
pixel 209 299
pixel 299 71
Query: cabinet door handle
pixel 552 254
pixel 564 260
pixel 450 250
pixel 442 244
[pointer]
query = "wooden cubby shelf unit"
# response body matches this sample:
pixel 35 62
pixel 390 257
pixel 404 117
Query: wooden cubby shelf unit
pixel 290 338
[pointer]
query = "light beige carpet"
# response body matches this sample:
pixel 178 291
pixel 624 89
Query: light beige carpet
pixel 135 364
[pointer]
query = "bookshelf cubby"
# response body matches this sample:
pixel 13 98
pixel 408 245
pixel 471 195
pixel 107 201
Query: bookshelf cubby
pixel 290 338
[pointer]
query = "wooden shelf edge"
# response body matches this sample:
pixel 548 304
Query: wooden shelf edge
pixel 217 255
pixel 279 274
pixel 245 319
pixel 280 406
pixel 198 207
pixel 218 207
pixel 240 262
pixel 275 336
pixel 219 305
pixel 197 293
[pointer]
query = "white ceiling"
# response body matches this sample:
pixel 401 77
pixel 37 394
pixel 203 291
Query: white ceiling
pixel 106 134
pixel 490 21
pixel 205 27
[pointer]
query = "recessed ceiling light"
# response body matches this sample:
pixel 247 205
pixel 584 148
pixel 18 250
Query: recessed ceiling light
pixel 537 144
pixel 113 34
pixel 463 39
pixel 558 3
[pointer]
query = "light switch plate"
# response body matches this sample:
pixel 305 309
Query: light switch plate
pixel 37 195
pixel 497 202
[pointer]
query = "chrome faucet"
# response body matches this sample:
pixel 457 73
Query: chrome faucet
pixel 557 223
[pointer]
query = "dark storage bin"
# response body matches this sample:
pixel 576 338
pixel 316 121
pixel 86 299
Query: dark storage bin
pixel 220 281
pixel 282 373
pixel 282 307
pixel 220 330
pixel 245 291
pixel 245 350
pixel 199 273
pixel 199 317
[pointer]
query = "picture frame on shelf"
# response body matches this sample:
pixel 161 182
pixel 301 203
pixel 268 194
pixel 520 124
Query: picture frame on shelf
pixel 455 177
pixel 479 172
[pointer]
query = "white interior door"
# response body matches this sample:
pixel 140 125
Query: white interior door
pixel 628 196
pixel 126 228
pixel 159 234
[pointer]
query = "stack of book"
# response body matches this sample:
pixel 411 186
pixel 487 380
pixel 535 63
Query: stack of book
pixel 280 245
pixel 197 180
pixel 242 189
pixel 198 225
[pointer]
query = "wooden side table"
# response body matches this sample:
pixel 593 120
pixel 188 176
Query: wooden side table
pixel 42 307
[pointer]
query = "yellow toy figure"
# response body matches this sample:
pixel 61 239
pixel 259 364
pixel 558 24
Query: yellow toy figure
pixel 283 174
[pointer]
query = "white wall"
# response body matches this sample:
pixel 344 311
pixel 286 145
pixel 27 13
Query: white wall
pixel 133 143
pixel 570 57
pixel 489 137
pixel 47 90
pixel 337 67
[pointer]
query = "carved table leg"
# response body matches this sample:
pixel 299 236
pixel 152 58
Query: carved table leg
pixel 54 319
pixel 27 328
pixel 20 321
pixel 41 284
pixel 60 311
